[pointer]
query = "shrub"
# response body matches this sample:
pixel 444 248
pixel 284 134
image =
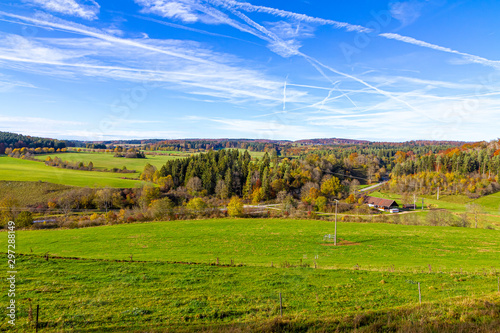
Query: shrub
pixel 24 220
pixel 161 209
pixel 235 207
pixel 196 205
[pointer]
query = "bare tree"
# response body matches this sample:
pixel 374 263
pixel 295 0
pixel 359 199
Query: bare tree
pixel 354 186
pixel 475 210
pixel 194 184
pixel 104 198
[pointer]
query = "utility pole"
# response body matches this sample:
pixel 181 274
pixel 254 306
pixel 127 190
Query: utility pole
pixel 335 236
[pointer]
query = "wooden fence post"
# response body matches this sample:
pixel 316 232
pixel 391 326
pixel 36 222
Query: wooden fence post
pixel 37 310
pixel 281 306
pixel 419 294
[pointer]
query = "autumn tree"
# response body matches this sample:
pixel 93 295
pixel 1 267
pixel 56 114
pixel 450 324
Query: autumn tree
pixel 331 187
pixel 321 202
pixel 235 207
pixel 148 173
pixel 24 220
pixel 161 208
pixel 196 205
pixel 148 195
pixel 166 183
pixel 8 209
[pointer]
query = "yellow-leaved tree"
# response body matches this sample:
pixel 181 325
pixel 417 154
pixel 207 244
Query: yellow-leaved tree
pixel 235 207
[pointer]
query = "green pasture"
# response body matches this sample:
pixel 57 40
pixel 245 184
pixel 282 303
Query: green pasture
pixel 108 161
pixel 490 203
pixel 106 296
pixel 282 242
pixel 13 169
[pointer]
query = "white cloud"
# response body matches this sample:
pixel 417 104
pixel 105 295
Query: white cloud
pixel 13 46
pixel 87 9
pixel 287 30
pixel 406 12
pixel 219 75
pixel 170 9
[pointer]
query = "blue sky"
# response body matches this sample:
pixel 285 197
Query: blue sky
pixel 376 70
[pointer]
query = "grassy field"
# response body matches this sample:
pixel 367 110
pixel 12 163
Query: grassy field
pixel 107 161
pixel 259 242
pixel 490 203
pixel 13 169
pixel 31 193
pixel 367 283
pixel 88 296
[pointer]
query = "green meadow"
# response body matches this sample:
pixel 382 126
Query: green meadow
pixel 108 161
pixel 260 242
pixel 14 169
pixel 100 296
pixel 163 277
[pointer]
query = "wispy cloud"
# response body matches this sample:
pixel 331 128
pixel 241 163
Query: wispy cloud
pixel 51 22
pixel 89 135
pixel 470 57
pixel 86 9
pixel 5 120
pixel 287 30
pixel 224 77
pixel 406 12
pixel 7 83
pixel 169 9
pixel 276 129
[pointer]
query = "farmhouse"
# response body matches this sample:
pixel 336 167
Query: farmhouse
pixel 383 204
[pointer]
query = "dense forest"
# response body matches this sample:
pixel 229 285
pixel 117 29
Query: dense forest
pixel 471 169
pixel 231 172
pixel 13 141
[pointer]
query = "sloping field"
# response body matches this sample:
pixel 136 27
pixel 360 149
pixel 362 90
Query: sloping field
pixel 261 242
pixel 108 161
pixel 13 169
pixel 123 278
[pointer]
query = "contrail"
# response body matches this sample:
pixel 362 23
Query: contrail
pixel 273 37
pixel 480 60
pixel 106 37
pixel 248 7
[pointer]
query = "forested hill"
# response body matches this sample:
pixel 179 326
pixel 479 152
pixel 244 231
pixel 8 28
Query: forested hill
pixel 472 169
pixel 13 140
pixel 231 172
